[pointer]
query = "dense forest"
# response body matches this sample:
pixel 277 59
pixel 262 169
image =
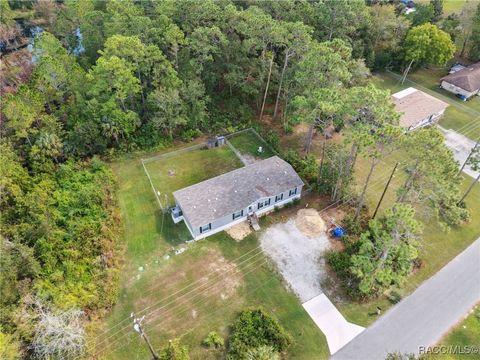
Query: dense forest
pixel 83 81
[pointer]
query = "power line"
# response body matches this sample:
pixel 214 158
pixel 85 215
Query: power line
pixel 137 326
pixel 154 288
pixel 144 310
pixel 345 198
pixel 372 184
pixel 170 312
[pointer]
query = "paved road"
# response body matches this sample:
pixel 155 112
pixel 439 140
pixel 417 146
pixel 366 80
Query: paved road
pixel 423 317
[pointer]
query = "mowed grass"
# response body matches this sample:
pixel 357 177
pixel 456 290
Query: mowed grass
pixel 248 143
pixel 465 334
pixel 460 116
pixel 201 290
pixel 178 171
pixel 449 6
pixel 438 245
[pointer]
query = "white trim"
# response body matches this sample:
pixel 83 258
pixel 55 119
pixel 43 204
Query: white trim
pixel 260 212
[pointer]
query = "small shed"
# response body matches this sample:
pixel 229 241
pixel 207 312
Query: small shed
pixel 216 142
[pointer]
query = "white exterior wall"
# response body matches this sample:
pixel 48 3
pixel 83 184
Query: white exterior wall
pixel 227 221
pixel 457 90
pixel 428 120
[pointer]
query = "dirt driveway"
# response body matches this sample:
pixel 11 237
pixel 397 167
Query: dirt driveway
pixel 297 256
pixel 299 259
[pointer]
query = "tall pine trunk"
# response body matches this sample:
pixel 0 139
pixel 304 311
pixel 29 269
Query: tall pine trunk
pixel 308 139
pixel 277 101
pixel 361 199
pixel 267 86
pixel 408 184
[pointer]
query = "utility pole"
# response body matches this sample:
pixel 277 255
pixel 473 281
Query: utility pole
pixel 385 190
pixel 469 156
pixel 137 326
pixel 469 189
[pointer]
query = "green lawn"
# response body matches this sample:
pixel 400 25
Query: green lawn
pixel 200 290
pixel 176 172
pixel 248 143
pixel 465 334
pixel 438 246
pixel 463 117
pixel 449 6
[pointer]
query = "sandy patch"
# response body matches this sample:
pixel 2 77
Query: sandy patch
pixel 231 278
pixel 185 292
pixel 309 222
pixel 297 257
pixel 239 231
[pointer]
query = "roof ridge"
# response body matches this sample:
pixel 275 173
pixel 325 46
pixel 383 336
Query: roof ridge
pixel 232 171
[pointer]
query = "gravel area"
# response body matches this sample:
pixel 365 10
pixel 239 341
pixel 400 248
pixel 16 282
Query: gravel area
pixel 297 257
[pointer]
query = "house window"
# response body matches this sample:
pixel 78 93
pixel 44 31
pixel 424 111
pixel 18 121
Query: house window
pixel 279 198
pixel 292 192
pixel 263 203
pixel 205 228
pixel 237 214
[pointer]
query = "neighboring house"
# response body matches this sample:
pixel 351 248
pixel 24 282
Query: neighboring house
pixel 465 82
pixel 418 109
pixel 456 67
pixel 220 202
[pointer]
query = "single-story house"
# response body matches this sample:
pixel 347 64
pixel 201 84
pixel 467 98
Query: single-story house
pixel 465 82
pixel 418 109
pixel 225 200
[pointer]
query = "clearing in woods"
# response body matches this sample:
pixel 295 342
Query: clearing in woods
pixel 200 290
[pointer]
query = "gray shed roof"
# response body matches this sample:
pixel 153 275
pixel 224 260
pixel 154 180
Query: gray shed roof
pixel 214 198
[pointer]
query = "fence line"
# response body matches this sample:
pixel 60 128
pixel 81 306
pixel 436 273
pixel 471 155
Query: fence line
pixel 151 184
pixel 174 153
pixel 204 144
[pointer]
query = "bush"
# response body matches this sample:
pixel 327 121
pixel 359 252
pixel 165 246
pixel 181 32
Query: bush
pixel 355 226
pixel 394 297
pixel 288 128
pixel 174 351
pixel 340 263
pixel 306 167
pixel 191 134
pixel 213 340
pixel 253 329
pixel 262 353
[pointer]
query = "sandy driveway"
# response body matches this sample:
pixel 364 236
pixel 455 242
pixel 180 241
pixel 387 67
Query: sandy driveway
pixel 297 257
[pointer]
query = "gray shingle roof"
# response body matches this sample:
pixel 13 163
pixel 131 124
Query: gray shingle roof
pixel 225 194
pixel 467 78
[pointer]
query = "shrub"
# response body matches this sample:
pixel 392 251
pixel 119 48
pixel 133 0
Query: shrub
pixel 340 263
pixel 262 353
pixel 191 134
pixel 288 128
pixel 174 351
pixel 306 167
pixel 394 297
pixel 253 329
pixel 214 340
